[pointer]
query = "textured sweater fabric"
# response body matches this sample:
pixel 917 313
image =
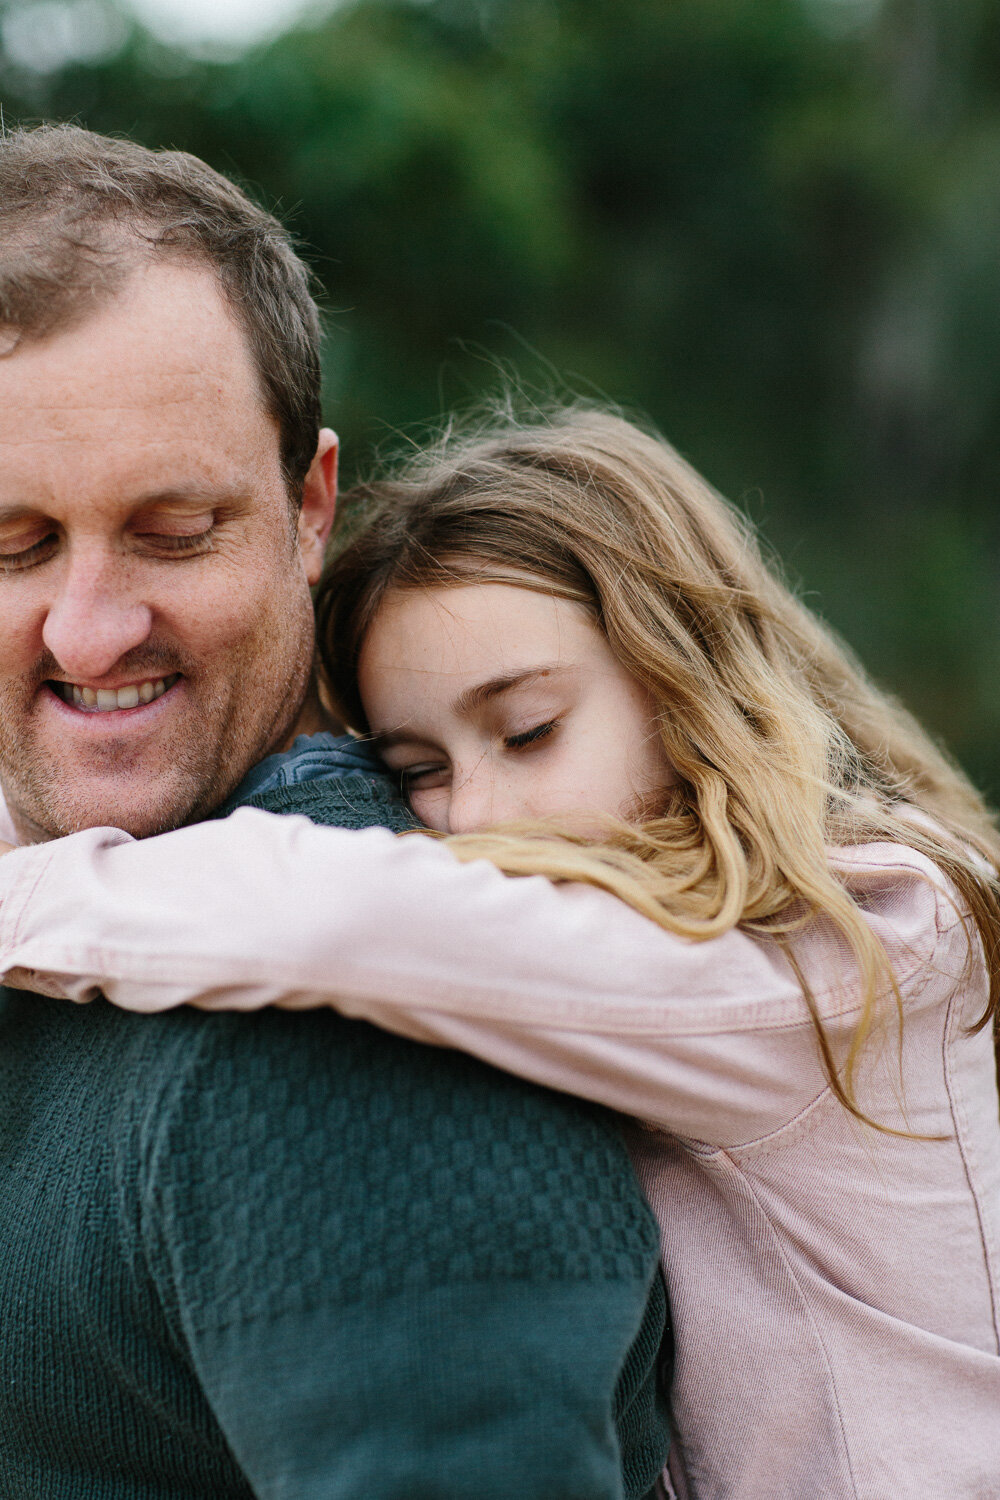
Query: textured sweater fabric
pixel 291 1256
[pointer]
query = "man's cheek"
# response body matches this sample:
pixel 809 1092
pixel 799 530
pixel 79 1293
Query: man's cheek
pixel 21 641
pixel 229 612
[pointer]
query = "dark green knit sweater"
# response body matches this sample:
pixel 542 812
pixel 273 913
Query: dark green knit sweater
pixel 291 1256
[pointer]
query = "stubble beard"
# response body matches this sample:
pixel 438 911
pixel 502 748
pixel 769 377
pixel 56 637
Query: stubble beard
pixel 192 776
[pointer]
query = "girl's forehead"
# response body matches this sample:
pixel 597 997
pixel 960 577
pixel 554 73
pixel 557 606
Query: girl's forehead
pixel 457 652
pixel 471 621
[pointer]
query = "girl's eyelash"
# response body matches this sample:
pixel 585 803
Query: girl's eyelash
pixel 411 773
pixel 530 736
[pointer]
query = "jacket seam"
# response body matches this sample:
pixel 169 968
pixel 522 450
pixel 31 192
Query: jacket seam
pixel 965 1148
pixel 779 1246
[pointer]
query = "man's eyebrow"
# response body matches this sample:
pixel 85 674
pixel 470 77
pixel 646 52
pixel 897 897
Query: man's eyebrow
pixel 189 494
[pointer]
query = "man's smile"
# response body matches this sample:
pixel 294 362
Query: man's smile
pixel 113 700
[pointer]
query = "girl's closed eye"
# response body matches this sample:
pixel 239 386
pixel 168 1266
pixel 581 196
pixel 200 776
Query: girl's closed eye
pixel 423 777
pixel 527 737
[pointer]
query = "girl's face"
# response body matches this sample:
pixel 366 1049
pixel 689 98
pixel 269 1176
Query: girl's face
pixel 494 702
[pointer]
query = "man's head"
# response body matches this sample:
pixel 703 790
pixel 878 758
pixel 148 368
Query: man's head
pixel 164 489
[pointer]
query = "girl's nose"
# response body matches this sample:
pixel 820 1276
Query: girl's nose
pixel 473 800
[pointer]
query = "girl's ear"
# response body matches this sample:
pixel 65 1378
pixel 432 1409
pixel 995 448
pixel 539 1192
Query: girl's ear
pixel 319 503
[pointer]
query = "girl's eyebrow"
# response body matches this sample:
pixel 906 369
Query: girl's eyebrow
pixel 484 692
pixel 473 698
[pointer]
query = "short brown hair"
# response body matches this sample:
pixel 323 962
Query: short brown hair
pixel 75 210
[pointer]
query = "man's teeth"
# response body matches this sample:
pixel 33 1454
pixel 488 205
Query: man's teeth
pixel 105 700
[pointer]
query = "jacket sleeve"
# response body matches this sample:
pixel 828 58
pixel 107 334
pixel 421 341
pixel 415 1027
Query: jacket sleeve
pixel 562 984
pixel 399 1272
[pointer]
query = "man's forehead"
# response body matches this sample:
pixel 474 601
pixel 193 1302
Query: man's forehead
pixel 166 338
pixel 112 463
pixel 161 376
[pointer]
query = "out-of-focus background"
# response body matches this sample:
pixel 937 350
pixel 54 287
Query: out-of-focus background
pixel 772 225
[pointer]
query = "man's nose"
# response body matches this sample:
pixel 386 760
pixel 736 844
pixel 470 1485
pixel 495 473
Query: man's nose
pixel 94 619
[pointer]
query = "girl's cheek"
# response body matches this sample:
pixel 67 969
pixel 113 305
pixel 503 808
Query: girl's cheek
pixel 431 809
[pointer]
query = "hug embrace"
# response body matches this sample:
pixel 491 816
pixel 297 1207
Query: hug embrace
pixel 585 874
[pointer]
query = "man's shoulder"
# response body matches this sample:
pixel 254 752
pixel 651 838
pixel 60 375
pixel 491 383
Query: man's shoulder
pixel 375 1113
pixel 308 1142
pixel 414 1209
pixel 353 800
pixel 269 1132
pixel 358 1103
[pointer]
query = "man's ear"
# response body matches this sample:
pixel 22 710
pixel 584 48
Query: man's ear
pixel 319 501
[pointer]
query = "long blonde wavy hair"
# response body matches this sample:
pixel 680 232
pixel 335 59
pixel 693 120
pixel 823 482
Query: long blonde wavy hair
pixel 782 747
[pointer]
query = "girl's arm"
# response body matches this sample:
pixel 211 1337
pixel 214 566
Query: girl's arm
pixel 562 984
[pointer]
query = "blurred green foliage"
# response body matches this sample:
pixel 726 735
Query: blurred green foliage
pixel 772 225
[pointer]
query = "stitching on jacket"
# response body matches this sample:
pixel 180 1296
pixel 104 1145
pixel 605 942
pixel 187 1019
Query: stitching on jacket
pixel 966 1151
pixel 807 1306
